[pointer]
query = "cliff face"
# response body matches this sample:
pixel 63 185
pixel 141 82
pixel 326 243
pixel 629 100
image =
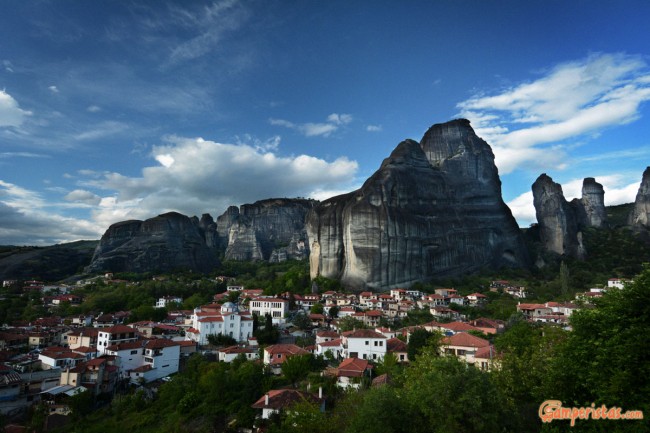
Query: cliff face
pixel 432 209
pixel 163 243
pixel 272 229
pixel 556 217
pixel 640 215
pixel 560 222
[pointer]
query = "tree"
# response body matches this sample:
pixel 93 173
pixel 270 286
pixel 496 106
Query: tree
pixel 317 308
pixel 564 278
pixel 333 312
pixel 296 368
pixel 419 339
pixel 448 395
pixel 349 323
pixel 302 321
pixel 221 340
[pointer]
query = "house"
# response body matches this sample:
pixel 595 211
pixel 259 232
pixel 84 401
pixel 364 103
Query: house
pixel 455 327
pixel 115 334
pixel 532 310
pixel 277 308
pixel 10 383
pixel 488 326
pixel 476 299
pixel 229 354
pixel 226 320
pixel 98 375
pixel 444 313
pixel 278 400
pixel 324 336
pixel 335 347
pixel 463 345
pixel 453 298
pixel 486 358
pixel 617 283
pixel 364 344
pixel 446 292
pixel 398 348
pixel 162 356
pixel 59 357
pixel 276 354
pixel 369 318
pixel 351 371
pixel 83 337
pixel 168 300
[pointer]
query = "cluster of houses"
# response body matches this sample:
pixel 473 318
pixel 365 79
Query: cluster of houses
pixel 55 356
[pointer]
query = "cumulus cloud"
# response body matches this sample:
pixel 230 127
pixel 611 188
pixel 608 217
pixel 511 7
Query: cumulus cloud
pixel 83 196
pixel 373 128
pixel 194 176
pixel 53 89
pixel 93 109
pixel 530 124
pixel 10 113
pixel 27 219
pixel 334 121
pixel 618 190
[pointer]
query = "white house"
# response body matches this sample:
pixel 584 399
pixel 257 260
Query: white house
pixel 364 344
pixel 229 354
pixel 277 400
pixel 147 360
pixel 166 300
pixel 115 335
pixel 228 321
pixel 277 308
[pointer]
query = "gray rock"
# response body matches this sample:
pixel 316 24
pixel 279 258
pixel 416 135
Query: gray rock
pixel 557 219
pixel 163 243
pixel 432 209
pixel 272 229
pixel 640 216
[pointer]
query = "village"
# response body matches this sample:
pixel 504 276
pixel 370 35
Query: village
pixel 51 359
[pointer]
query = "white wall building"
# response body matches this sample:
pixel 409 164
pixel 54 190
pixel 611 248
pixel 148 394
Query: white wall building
pixel 115 335
pixel 228 321
pixel 277 308
pixel 364 344
pixel 166 300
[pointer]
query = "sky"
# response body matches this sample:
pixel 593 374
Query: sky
pixel 118 110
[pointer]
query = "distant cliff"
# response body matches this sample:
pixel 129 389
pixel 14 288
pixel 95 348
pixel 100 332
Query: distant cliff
pixel 640 216
pixel 272 229
pixel 163 243
pixel 432 209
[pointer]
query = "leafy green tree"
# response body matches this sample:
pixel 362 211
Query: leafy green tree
pixel 317 308
pixel 296 368
pixel 302 321
pixel 605 359
pixel 419 339
pixel 382 410
pixel 348 323
pixel 333 312
pixel 448 395
pixel 221 340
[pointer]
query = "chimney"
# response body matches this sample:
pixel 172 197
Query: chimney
pixel 320 392
pixel 266 399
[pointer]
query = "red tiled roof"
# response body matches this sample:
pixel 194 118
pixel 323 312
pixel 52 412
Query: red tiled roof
pixel 118 329
pixel 290 349
pixel 352 367
pixel 363 333
pixel 159 343
pixel 459 326
pixel 464 339
pixel 331 343
pixel 284 398
pixel 396 345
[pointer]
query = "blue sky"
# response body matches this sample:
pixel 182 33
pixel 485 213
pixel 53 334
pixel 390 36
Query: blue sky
pixel 124 110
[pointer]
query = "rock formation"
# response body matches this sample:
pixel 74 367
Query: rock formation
pixel 163 243
pixel 557 220
pixel 432 209
pixel 272 229
pixel 560 222
pixel 640 215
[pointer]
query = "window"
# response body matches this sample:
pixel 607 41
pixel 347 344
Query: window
pixel 376 343
pixel 367 343
pixel 134 352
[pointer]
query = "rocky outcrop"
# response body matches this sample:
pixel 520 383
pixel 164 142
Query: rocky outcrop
pixel 272 229
pixel 432 209
pixel 163 243
pixel 591 207
pixel 557 219
pixel 640 215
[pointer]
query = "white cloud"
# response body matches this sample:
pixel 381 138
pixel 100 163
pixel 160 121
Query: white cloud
pixel 207 176
pixel 373 128
pixel 10 113
pixel 93 109
pixel 101 130
pixel 53 89
pixel 83 196
pixel 26 219
pixel 334 121
pixel 571 101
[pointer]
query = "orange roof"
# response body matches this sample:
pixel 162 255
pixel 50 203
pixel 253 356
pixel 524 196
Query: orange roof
pixel 459 326
pixel 352 367
pixel 283 398
pixel 464 339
